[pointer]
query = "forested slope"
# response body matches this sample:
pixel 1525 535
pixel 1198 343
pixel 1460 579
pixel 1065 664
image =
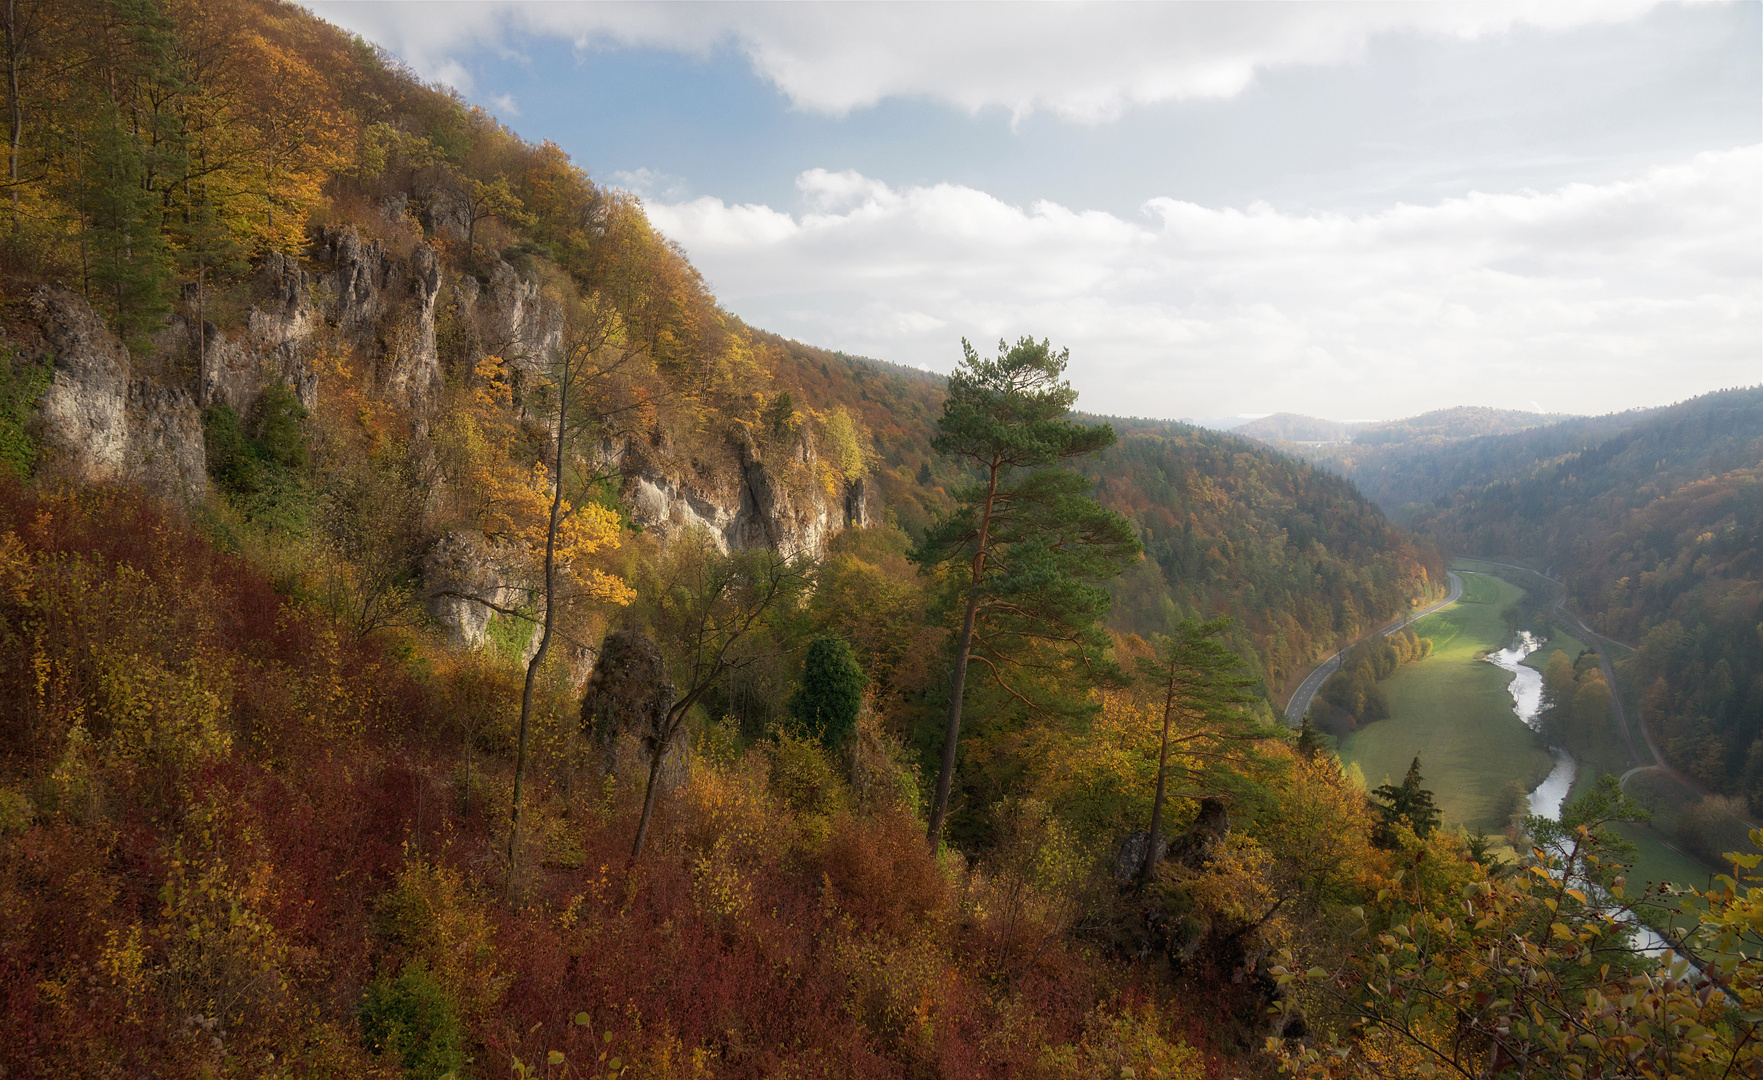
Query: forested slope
pixel 1298 557
pixel 388 512
pixel 1399 473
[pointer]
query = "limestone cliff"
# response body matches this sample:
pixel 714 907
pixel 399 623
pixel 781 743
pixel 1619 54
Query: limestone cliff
pixel 102 420
pixel 98 421
pixel 768 498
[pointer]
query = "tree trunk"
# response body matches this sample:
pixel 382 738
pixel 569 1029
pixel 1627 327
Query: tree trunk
pixel 532 667
pixel 958 682
pixel 15 110
pixel 649 795
pixel 1157 803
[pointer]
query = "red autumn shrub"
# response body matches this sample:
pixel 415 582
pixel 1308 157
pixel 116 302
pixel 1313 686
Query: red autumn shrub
pixel 882 874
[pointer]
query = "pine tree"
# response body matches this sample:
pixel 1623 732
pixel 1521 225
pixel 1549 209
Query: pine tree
pixel 1408 803
pixel 1309 740
pixel 206 246
pixel 1036 546
pixel 1204 692
pixel 128 264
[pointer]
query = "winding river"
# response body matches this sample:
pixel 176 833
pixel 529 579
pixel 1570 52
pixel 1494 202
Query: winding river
pixel 1546 801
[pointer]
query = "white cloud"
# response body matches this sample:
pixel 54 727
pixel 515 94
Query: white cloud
pixel 506 105
pixel 1587 297
pixel 651 183
pixel 1085 62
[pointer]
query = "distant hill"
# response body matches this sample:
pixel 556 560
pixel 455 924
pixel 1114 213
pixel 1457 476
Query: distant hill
pixel 1397 474
pixel 1462 422
pixel 1295 427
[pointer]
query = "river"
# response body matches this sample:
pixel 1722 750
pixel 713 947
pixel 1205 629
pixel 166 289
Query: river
pixel 1546 801
pixel 1526 689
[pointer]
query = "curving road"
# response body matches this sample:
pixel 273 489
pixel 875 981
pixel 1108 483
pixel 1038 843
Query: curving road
pixel 1300 702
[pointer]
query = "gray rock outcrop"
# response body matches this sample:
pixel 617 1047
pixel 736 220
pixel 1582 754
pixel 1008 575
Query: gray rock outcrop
pixel 769 504
pixel 100 423
pixel 463 574
pixel 625 706
pixel 385 305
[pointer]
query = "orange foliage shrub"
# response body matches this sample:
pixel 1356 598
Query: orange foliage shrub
pixel 880 872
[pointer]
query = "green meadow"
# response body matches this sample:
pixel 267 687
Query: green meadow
pixel 1453 709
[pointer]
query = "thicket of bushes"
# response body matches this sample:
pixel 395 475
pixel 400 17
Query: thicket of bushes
pixel 1351 698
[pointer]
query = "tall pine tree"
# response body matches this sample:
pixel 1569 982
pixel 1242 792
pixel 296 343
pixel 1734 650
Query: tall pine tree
pixel 1035 546
pixel 1205 718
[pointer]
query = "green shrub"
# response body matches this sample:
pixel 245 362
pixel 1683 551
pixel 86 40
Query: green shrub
pixel 804 777
pixel 16 812
pixel 414 1020
pixel 279 424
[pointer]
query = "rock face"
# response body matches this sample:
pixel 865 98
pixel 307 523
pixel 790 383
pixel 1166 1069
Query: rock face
pixel 1193 848
pixel 275 346
pixel 462 572
pixel 98 422
pixel 767 506
pixel 104 420
pixel 625 706
pixel 386 306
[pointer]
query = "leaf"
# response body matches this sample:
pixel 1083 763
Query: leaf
pixel 582 1019
pixel 555 1057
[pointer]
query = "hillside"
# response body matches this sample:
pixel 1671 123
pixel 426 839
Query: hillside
pixel 1399 473
pixel 437 640
pixel 1462 422
pixel 1296 428
pixel 1297 557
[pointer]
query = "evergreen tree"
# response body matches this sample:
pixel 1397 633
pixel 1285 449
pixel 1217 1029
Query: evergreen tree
pixel 1406 802
pixel 831 692
pixel 206 247
pixel 1035 545
pixel 129 269
pixel 1204 693
pixel 1309 740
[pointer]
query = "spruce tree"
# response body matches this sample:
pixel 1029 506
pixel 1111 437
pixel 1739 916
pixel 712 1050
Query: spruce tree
pixel 1036 548
pixel 831 693
pixel 1309 741
pixel 129 272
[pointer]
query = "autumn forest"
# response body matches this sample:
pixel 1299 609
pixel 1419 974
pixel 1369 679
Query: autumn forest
pixel 437 639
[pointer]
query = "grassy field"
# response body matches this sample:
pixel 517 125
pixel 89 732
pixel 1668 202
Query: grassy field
pixel 1453 710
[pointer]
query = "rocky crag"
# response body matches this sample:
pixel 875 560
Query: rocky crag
pixel 109 417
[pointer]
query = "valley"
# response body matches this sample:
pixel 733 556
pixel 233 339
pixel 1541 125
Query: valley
pixel 1453 709
pixel 440 639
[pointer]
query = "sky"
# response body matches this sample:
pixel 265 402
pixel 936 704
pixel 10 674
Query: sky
pixel 1356 211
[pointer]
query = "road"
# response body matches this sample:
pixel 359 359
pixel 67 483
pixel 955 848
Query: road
pixel 1300 702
